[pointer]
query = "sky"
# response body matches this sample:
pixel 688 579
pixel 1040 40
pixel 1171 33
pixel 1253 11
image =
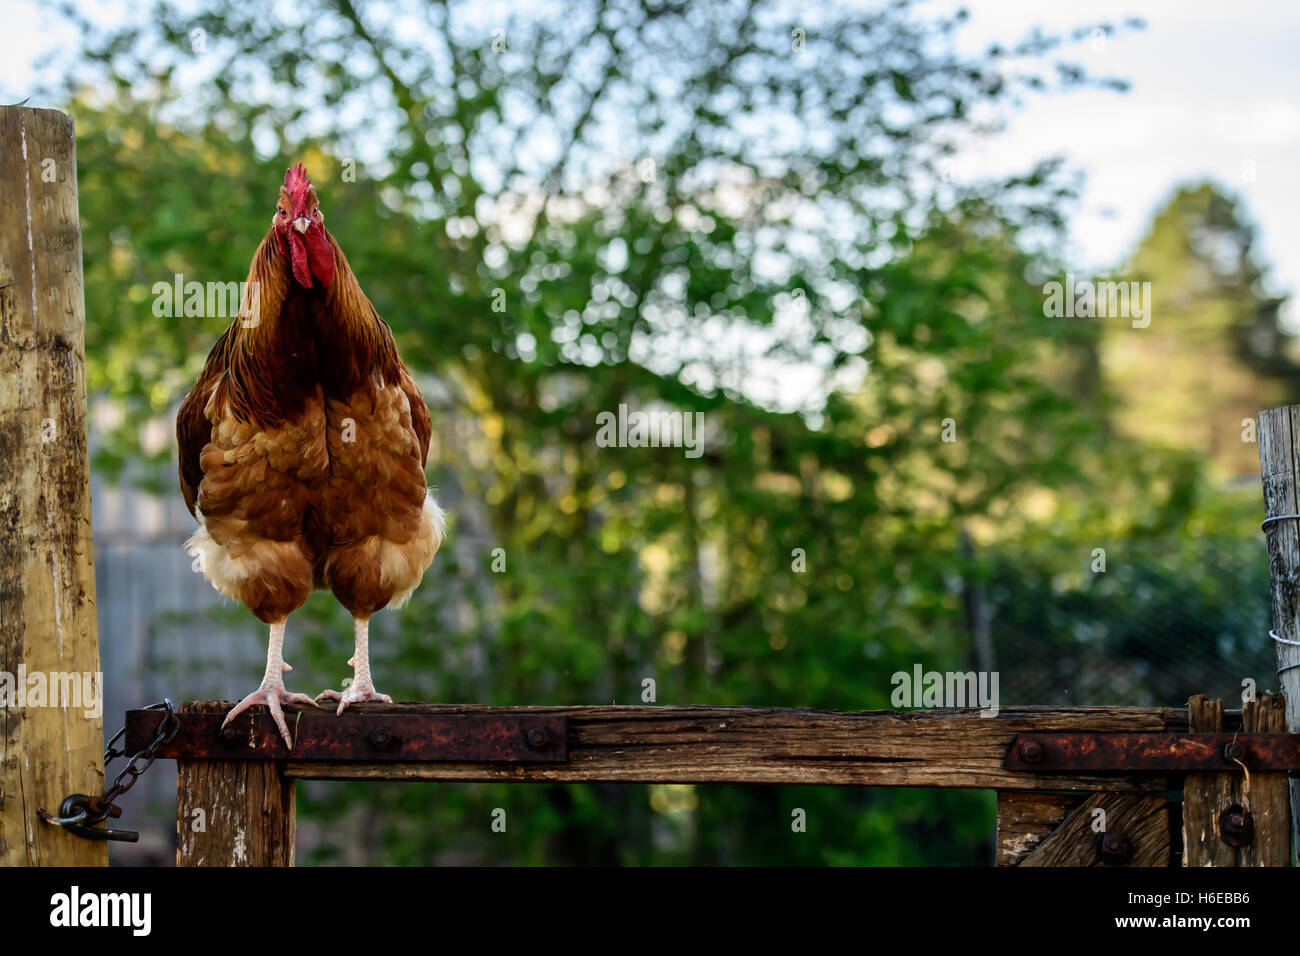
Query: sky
pixel 1215 94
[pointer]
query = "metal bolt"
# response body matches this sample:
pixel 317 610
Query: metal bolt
pixel 229 736
pixel 1236 826
pixel 380 738
pixel 1031 751
pixel 1116 849
pixel 538 738
pixel 1234 750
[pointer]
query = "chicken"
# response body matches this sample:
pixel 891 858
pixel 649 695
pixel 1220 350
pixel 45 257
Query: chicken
pixel 302 450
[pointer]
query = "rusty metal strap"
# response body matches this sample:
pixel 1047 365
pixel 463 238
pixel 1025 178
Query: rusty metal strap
pixel 364 738
pixel 1158 753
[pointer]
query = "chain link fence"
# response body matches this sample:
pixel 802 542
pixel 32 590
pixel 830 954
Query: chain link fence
pixel 1165 619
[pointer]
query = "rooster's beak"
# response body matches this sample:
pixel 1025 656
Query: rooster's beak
pixel 302 224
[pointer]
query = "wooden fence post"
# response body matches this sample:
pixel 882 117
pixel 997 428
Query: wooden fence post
pixel 1278 442
pixel 234 813
pixel 1236 818
pixel 51 692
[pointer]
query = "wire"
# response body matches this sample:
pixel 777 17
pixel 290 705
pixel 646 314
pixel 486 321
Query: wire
pixel 1268 521
pixel 1283 640
pixel 1273 634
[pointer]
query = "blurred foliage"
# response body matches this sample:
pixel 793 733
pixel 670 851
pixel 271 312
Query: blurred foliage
pixel 1215 342
pixel 1165 619
pixel 739 209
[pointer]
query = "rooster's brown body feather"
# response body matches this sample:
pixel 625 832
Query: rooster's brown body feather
pixel 302 450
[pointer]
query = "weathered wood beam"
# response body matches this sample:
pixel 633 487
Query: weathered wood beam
pixel 1267 839
pixel 769 745
pixel 1267 795
pixel 1026 819
pixel 1107 829
pixel 51 737
pixel 1279 466
pixel 234 813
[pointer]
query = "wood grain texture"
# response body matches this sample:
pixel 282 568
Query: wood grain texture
pixel 1265 795
pixel 937 748
pixel 1279 440
pixel 234 813
pixel 1204 795
pixel 1025 819
pixel 47 583
pixel 1268 794
pixel 1144 820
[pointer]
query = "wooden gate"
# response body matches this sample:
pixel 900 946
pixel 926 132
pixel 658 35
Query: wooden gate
pixel 1080 786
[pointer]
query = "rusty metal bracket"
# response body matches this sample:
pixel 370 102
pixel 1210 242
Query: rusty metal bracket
pixel 361 737
pixel 1156 753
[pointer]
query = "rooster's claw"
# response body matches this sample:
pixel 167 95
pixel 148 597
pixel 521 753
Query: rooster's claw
pixel 271 698
pixel 353 695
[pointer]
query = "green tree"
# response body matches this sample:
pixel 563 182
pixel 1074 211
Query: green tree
pixel 1214 354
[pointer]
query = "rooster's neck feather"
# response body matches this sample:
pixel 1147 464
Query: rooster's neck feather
pixel 329 338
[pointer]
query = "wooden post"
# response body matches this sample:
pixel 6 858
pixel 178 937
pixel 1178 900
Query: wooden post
pixel 234 813
pixel 1208 795
pixel 51 731
pixel 1279 439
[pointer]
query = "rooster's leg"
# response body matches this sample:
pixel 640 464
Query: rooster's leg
pixel 362 687
pixel 272 692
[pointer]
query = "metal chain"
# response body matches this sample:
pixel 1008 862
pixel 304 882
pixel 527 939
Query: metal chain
pixel 168 727
pixel 81 813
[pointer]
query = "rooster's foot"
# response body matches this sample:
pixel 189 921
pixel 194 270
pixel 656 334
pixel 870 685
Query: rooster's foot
pixel 271 697
pixel 356 694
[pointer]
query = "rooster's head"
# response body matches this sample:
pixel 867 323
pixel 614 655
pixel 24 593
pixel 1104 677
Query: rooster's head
pixel 300 228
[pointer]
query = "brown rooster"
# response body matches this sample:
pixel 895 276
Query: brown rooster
pixel 302 450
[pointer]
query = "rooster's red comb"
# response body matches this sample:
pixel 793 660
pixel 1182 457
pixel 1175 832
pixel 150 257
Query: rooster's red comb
pixel 296 181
